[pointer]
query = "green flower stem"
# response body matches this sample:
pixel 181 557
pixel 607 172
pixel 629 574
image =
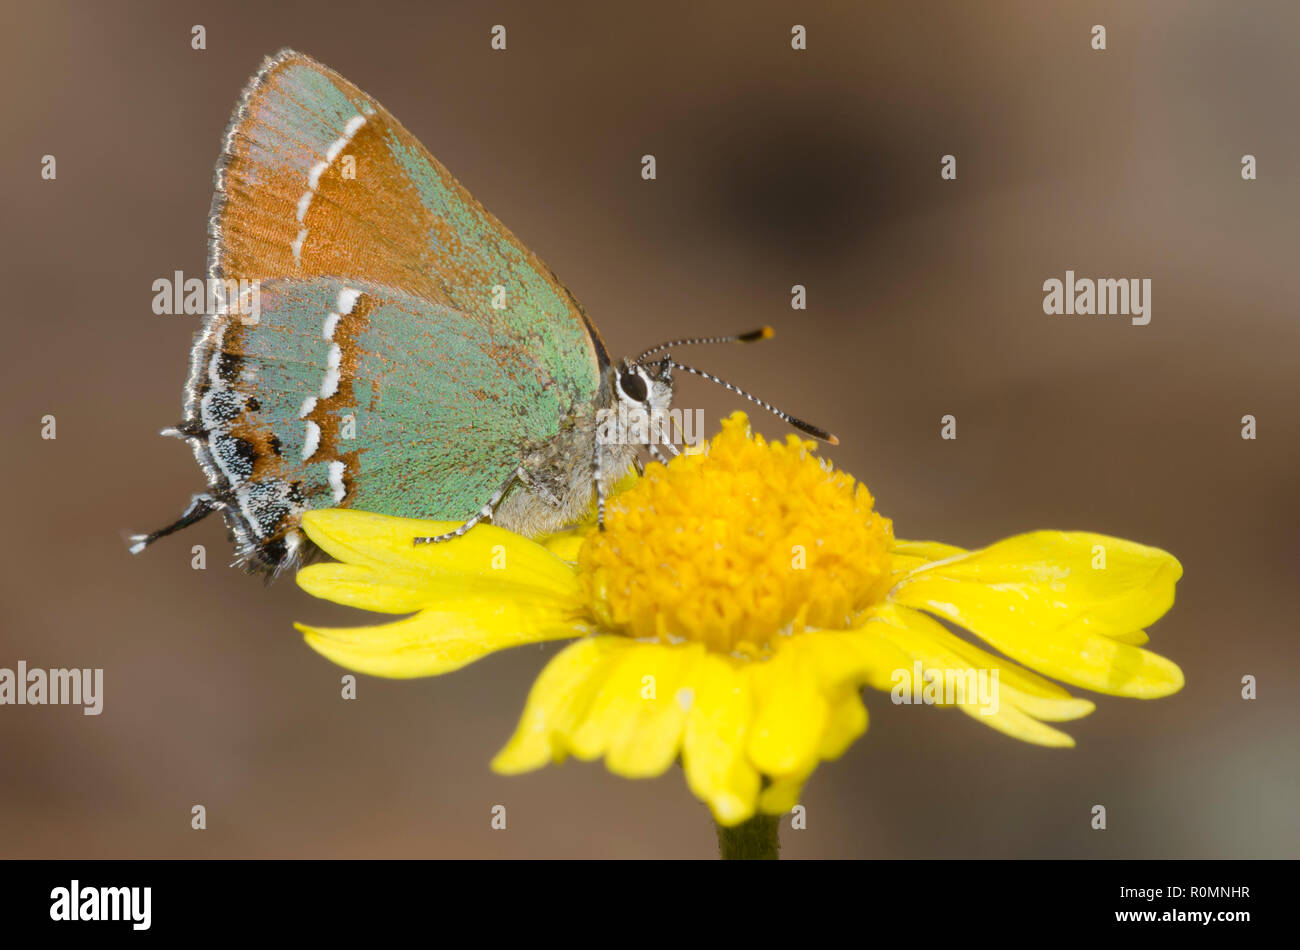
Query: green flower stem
pixel 758 839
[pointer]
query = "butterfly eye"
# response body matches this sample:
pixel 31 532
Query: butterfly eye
pixel 633 386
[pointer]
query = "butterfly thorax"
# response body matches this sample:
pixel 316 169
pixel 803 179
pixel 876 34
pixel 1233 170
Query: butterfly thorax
pixel 597 445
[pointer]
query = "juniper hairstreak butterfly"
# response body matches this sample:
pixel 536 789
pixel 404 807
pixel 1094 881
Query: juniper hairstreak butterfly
pixel 409 355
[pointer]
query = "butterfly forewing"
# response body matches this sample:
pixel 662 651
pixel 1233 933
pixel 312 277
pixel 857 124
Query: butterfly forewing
pixel 285 208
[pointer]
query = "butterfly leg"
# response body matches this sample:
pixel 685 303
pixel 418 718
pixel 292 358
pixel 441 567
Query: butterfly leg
pixel 667 442
pixel 537 487
pixel 200 507
pixel 482 514
pixel 598 482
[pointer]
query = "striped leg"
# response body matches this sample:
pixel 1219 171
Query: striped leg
pixel 483 513
pixel 598 480
pixel 667 441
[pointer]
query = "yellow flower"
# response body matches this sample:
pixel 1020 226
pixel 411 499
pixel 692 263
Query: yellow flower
pixel 731 611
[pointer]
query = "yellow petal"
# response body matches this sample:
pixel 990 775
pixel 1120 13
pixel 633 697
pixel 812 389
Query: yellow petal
pixel 449 635
pixel 806 706
pixel 1014 702
pixel 847 721
pixel 487 552
pixel 386 592
pixel 713 745
pixel 840 658
pixel 566 544
pixel 1027 691
pixel 1038 598
pixel 927 550
pixel 909 556
pixel 791 712
pixel 1134 638
pixel 782 794
pixel 637 718
pixel 557 702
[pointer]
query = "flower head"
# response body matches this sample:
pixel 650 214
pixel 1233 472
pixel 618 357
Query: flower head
pixel 731 612
pixel 737 547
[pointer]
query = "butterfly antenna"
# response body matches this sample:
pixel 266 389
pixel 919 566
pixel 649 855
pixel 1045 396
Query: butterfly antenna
pixel 817 432
pixel 753 336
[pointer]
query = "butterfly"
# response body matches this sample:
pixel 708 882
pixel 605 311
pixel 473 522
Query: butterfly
pixel 406 355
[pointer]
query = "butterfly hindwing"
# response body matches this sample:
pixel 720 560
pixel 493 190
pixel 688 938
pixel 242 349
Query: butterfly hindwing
pixel 347 394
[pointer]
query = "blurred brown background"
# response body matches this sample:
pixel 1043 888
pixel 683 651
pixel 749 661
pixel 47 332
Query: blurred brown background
pixel 775 168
